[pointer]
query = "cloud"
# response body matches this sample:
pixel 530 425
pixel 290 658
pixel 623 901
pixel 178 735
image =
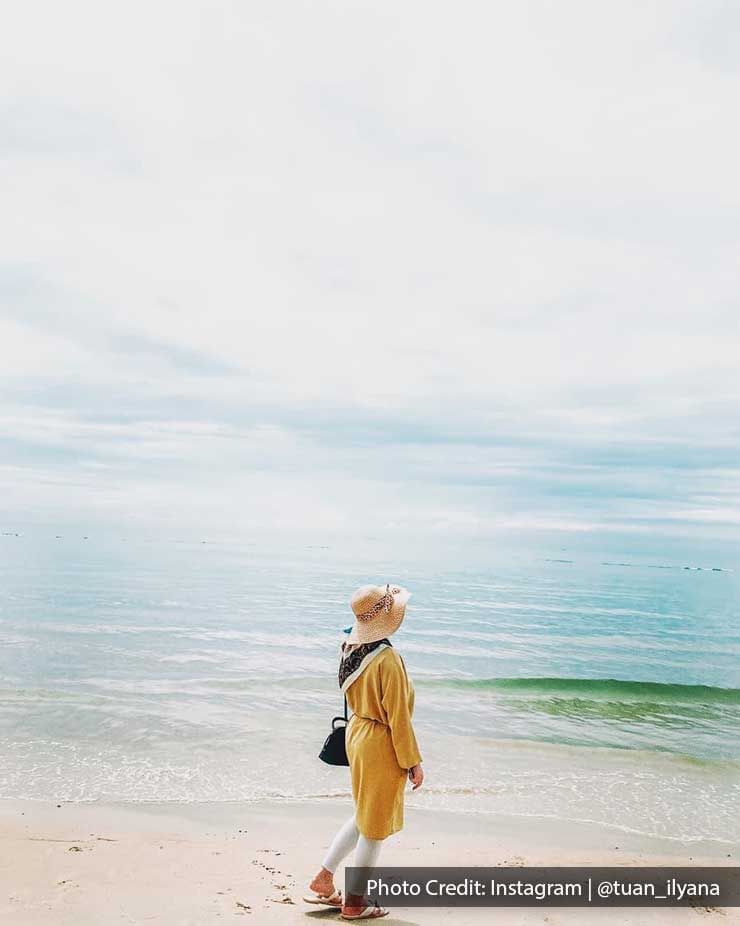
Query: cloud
pixel 275 262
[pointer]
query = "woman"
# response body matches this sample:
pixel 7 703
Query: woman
pixel 381 746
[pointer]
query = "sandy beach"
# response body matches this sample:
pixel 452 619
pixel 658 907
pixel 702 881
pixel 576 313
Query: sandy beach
pixel 89 863
pixel 369 395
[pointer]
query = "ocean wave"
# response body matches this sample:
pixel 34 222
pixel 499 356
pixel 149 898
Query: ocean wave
pixel 594 688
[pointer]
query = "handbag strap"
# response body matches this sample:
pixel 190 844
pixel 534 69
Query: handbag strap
pixel 345 709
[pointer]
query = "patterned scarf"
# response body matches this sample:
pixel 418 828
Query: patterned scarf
pixel 352 664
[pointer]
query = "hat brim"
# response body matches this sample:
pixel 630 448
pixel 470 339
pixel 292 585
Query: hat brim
pixel 385 624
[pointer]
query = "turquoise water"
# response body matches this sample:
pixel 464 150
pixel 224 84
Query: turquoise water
pixel 583 689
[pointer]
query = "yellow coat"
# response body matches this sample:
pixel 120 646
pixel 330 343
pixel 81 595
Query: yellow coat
pixel 381 745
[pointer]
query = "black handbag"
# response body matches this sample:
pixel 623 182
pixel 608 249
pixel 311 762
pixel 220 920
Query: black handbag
pixel 334 750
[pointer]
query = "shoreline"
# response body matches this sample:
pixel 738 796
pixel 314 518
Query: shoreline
pixel 645 793
pixel 216 812
pixel 89 862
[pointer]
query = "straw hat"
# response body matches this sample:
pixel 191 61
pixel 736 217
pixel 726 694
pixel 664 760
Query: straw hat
pixel 379 611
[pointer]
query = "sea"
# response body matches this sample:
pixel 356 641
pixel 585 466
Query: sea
pixel 577 687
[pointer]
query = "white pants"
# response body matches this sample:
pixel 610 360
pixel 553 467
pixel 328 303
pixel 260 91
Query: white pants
pixel 345 841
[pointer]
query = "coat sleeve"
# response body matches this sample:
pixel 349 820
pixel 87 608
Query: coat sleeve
pixel 395 701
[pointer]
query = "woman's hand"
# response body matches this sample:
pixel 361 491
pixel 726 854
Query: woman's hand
pixel 416 776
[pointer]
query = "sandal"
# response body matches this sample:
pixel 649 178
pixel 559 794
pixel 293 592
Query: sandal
pixel 368 913
pixel 324 900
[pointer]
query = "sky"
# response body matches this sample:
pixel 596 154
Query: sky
pixel 449 270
